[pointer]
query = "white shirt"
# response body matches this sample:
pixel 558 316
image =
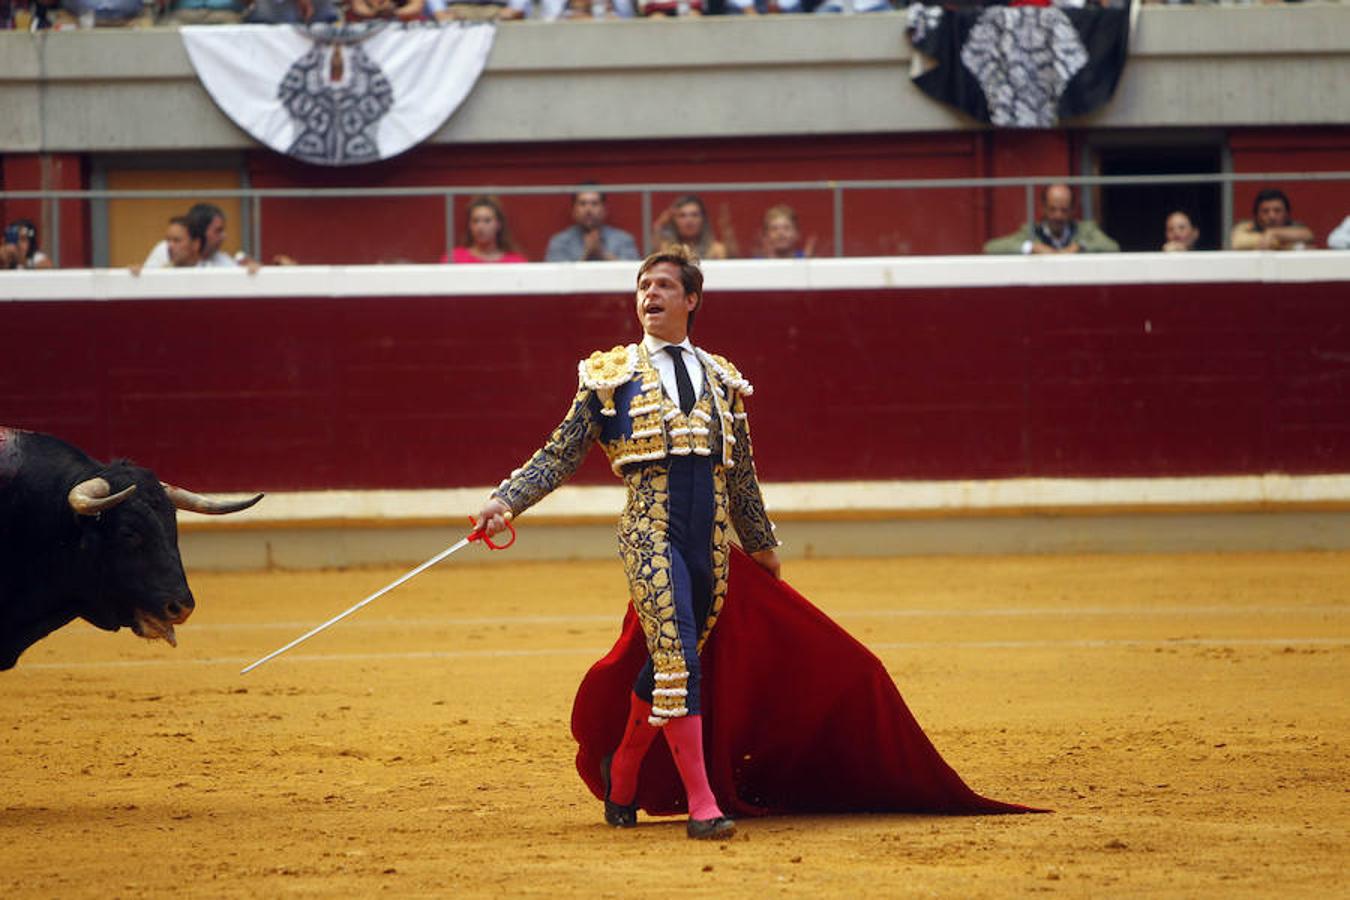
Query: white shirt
pixel 1340 238
pixel 159 259
pixel 665 366
pixel 557 9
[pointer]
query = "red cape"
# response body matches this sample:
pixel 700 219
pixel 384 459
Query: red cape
pixel 799 717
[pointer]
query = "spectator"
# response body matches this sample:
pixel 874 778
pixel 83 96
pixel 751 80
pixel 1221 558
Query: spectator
pixel 781 238
pixel 22 235
pixel 587 9
pixel 686 222
pixel 487 239
pixel 1339 239
pixel 292 12
pixel 107 13
pixel 210 221
pixel 1057 232
pixel 183 243
pixel 761 7
pixel 405 11
pixel 859 6
pixel 1270 227
pixel 477 10
pixel 204 12
pixel 660 9
pixel 1180 233
pixel 589 238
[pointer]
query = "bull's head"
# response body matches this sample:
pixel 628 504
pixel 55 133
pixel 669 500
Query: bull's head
pixel 130 537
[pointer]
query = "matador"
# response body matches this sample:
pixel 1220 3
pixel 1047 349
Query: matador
pixel 671 419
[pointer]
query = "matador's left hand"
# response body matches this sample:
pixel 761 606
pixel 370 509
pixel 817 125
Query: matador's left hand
pixel 768 559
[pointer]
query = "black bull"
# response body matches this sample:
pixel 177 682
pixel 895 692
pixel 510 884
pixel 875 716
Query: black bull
pixel 80 539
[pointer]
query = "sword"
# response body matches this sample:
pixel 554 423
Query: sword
pixel 478 532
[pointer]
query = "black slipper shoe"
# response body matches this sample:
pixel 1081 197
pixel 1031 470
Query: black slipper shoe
pixel 716 829
pixel 616 814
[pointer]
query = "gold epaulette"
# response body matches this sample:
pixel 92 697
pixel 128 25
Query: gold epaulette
pixel 726 373
pixel 605 370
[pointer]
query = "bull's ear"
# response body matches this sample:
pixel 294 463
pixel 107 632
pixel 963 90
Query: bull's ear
pixel 212 507
pixel 94 495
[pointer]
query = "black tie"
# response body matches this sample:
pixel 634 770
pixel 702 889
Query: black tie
pixel 682 382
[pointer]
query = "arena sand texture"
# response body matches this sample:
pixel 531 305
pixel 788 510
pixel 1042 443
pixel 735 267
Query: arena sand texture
pixel 1185 716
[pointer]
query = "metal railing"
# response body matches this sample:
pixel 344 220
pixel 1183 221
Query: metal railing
pixel 252 198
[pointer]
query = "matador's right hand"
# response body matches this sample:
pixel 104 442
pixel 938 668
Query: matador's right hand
pixel 492 517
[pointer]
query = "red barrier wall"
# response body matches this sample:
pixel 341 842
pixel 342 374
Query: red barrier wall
pixel 952 383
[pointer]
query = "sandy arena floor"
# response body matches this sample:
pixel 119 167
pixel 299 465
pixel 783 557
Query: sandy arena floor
pixel 1186 717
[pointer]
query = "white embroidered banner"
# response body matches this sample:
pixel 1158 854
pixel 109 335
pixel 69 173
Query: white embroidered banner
pixel 339 97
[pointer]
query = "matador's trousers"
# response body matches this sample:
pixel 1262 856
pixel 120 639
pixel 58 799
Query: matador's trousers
pixel 682 535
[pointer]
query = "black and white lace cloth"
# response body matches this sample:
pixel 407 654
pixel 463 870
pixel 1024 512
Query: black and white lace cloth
pixel 337 122
pixel 1020 67
pixel 339 96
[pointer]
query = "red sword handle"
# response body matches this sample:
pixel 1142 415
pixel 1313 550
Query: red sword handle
pixel 480 532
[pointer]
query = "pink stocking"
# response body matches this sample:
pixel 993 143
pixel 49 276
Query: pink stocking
pixel 637 737
pixel 685 737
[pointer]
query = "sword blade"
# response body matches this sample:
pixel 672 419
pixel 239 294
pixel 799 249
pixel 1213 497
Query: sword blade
pixel 347 612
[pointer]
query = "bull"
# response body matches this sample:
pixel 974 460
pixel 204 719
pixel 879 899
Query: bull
pixel 81 539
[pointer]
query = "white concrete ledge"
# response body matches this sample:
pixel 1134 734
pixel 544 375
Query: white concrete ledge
pixel 329 529
pixel 823 501
pixel 721 276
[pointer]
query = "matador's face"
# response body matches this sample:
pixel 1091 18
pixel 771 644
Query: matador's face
pixel 663 307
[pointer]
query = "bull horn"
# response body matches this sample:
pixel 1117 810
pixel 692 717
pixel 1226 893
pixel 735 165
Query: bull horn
pixel 197 503
pixel 91 497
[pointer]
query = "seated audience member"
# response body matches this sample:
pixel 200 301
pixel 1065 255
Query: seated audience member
pixel 1270 227
pixel 780 237
pixel 106 13
pixel 1339 239
pixel 209 220
pixel 761 7
pixel 22 236
pixel 575 10
pixel 406 11
pixel 1180 233
pixel 204 12
pixel 660 9
pixel 183 242
pixel 292 12
pixel 45 14
pixel 487 239
pixel 590 239
pixel 477 10
pixel 686 222
pixel 9 257
pixel 827 7
pixel 1057 231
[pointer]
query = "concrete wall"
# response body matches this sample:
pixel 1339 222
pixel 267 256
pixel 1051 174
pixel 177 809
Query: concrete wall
pixel 116 90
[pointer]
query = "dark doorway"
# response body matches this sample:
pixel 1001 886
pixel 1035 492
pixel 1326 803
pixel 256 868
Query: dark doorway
pixel 1134 214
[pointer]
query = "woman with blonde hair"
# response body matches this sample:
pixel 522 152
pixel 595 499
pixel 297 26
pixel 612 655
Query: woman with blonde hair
pixel 686 222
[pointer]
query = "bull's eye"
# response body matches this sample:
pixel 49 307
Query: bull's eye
pixel 130 537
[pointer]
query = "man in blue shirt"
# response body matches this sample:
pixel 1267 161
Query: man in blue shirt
pixel 590 238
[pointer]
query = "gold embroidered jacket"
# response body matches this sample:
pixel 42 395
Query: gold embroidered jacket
pixel 620 404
